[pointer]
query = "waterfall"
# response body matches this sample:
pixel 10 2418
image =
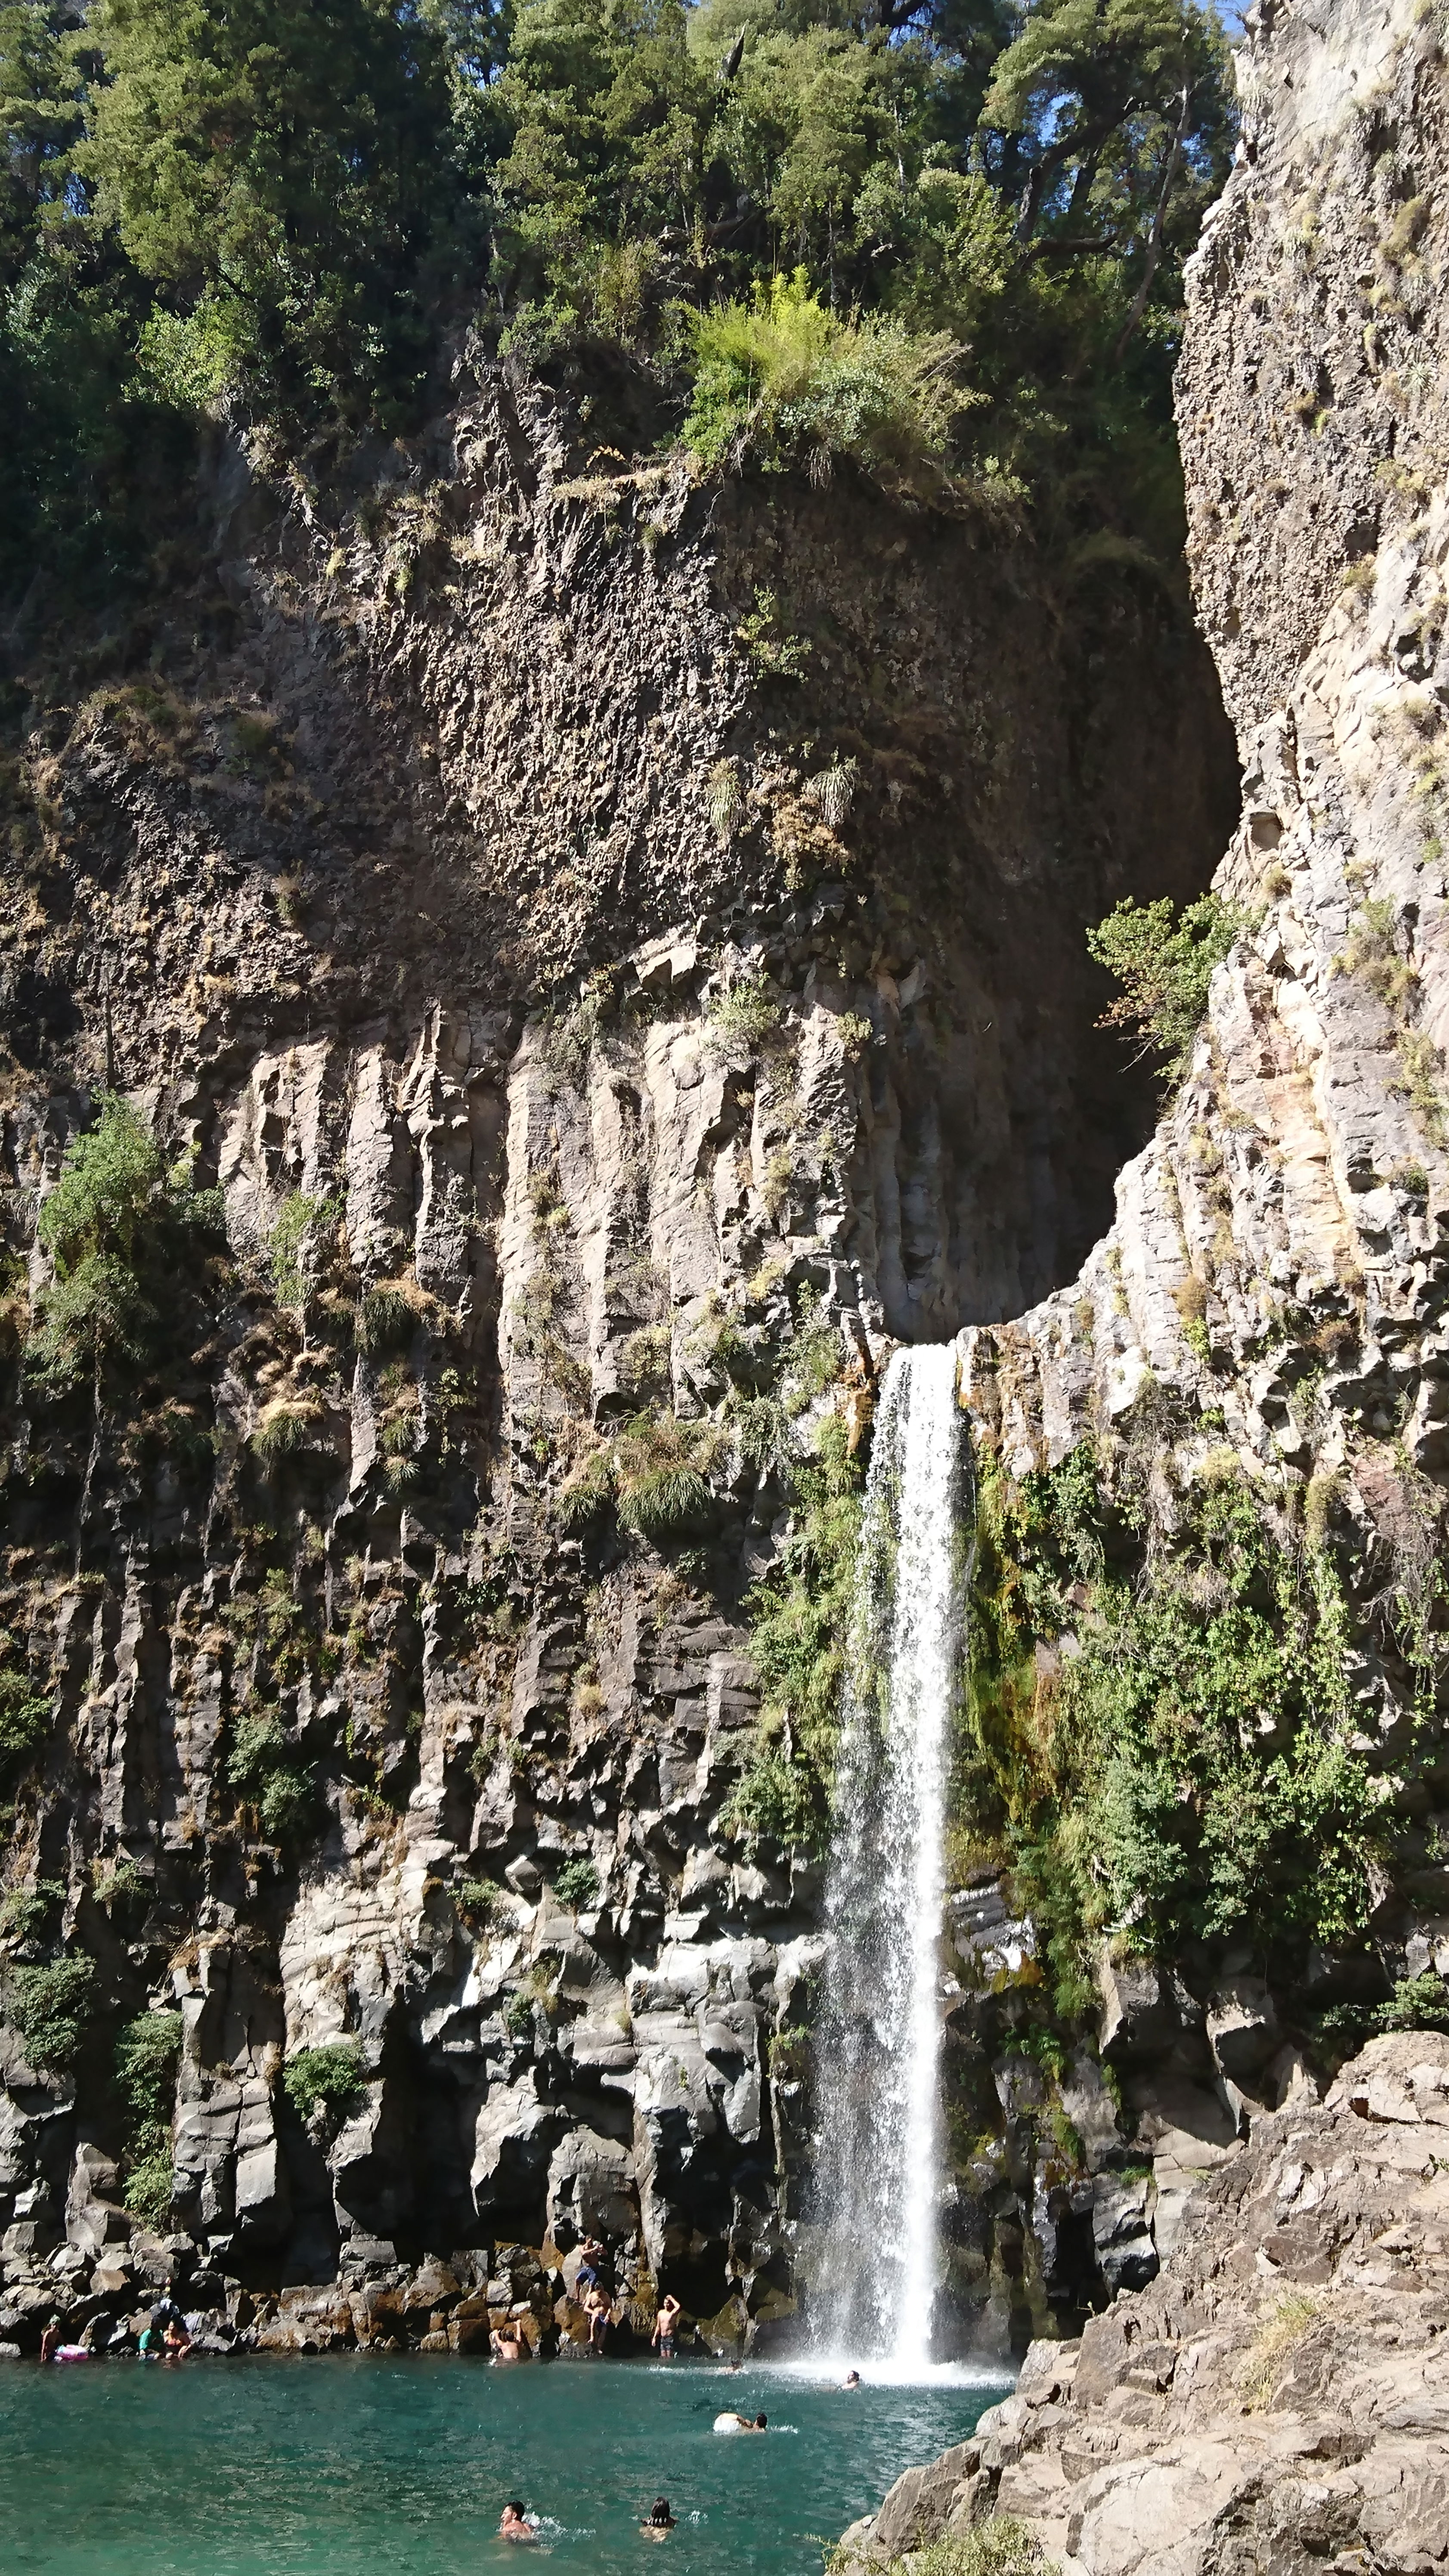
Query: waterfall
pixel 878 2039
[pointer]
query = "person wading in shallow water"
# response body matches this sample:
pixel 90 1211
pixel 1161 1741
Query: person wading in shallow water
pixel 50 2340
pixel 512 2524
pixel 660 2522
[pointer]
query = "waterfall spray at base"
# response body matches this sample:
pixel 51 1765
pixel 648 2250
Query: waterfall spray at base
pixel 878 2167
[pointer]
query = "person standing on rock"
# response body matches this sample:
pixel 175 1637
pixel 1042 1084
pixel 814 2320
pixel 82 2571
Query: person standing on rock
pixel 50 2340
pixel 663 2335
pixel 600 2317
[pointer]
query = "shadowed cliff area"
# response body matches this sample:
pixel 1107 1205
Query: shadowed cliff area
pixel 550 848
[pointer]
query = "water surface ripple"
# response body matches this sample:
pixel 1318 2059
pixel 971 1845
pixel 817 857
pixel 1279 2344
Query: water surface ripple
pixel 319 2466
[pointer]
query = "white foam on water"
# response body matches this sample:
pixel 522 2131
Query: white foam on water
pixel 827 2370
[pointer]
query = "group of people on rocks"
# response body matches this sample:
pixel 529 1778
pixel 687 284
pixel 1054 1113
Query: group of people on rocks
pixel 509 2342
pixel 166 2337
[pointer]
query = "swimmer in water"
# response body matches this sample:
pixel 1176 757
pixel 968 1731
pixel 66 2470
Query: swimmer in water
pixel 660 2522
pixel 851 2379
pixel 513 2524
pixel 739 2423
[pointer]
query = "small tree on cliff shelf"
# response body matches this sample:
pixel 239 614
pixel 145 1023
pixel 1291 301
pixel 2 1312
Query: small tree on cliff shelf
pixel 1164 969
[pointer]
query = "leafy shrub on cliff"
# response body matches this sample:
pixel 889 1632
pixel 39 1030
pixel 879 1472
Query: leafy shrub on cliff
pixel 481 1900
pixel 114 1226
pixel 748 1011
pixel 148 2051
pixel 332 2077
pixel 1417 2003
pixel 1188 1768
pixel 52 2006
pixel 783 378
pixel 25 1722
pixel 25 1911
pixel 577 1885
pixel 1164 968
pixel 260 1764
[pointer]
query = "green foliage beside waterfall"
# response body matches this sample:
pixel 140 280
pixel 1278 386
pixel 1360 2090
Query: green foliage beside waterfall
pixel 801 1618
pixel 1159 1741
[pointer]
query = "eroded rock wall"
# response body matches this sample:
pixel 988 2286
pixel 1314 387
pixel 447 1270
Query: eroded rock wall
pixel 616 950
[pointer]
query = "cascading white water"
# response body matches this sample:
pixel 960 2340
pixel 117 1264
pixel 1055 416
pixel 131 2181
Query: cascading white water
pixel 878 2037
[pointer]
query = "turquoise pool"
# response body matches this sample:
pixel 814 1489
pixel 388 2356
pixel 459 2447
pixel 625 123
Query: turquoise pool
pixel 312 2468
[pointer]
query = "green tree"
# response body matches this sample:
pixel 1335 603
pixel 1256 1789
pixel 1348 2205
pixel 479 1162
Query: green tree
pixel 279 168
pixel 40 119
pixel 1109 106
pixel 609 113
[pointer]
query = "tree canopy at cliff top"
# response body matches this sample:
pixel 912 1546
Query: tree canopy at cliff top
pixel 974 214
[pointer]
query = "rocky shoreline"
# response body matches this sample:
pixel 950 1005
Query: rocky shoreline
pixel 375 2305
pixel 1278 2399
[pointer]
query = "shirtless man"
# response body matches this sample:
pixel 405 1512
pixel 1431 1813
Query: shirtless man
pixel 660 2522
pixel 507 2344
pixel 663 2335
pixel 512 2524
pixel 599 2314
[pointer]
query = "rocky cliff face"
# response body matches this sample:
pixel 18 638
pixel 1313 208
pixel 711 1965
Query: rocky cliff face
pixel 1266 1320
pixel 616 951
pixel 1267 1315
pixel 1276 2397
